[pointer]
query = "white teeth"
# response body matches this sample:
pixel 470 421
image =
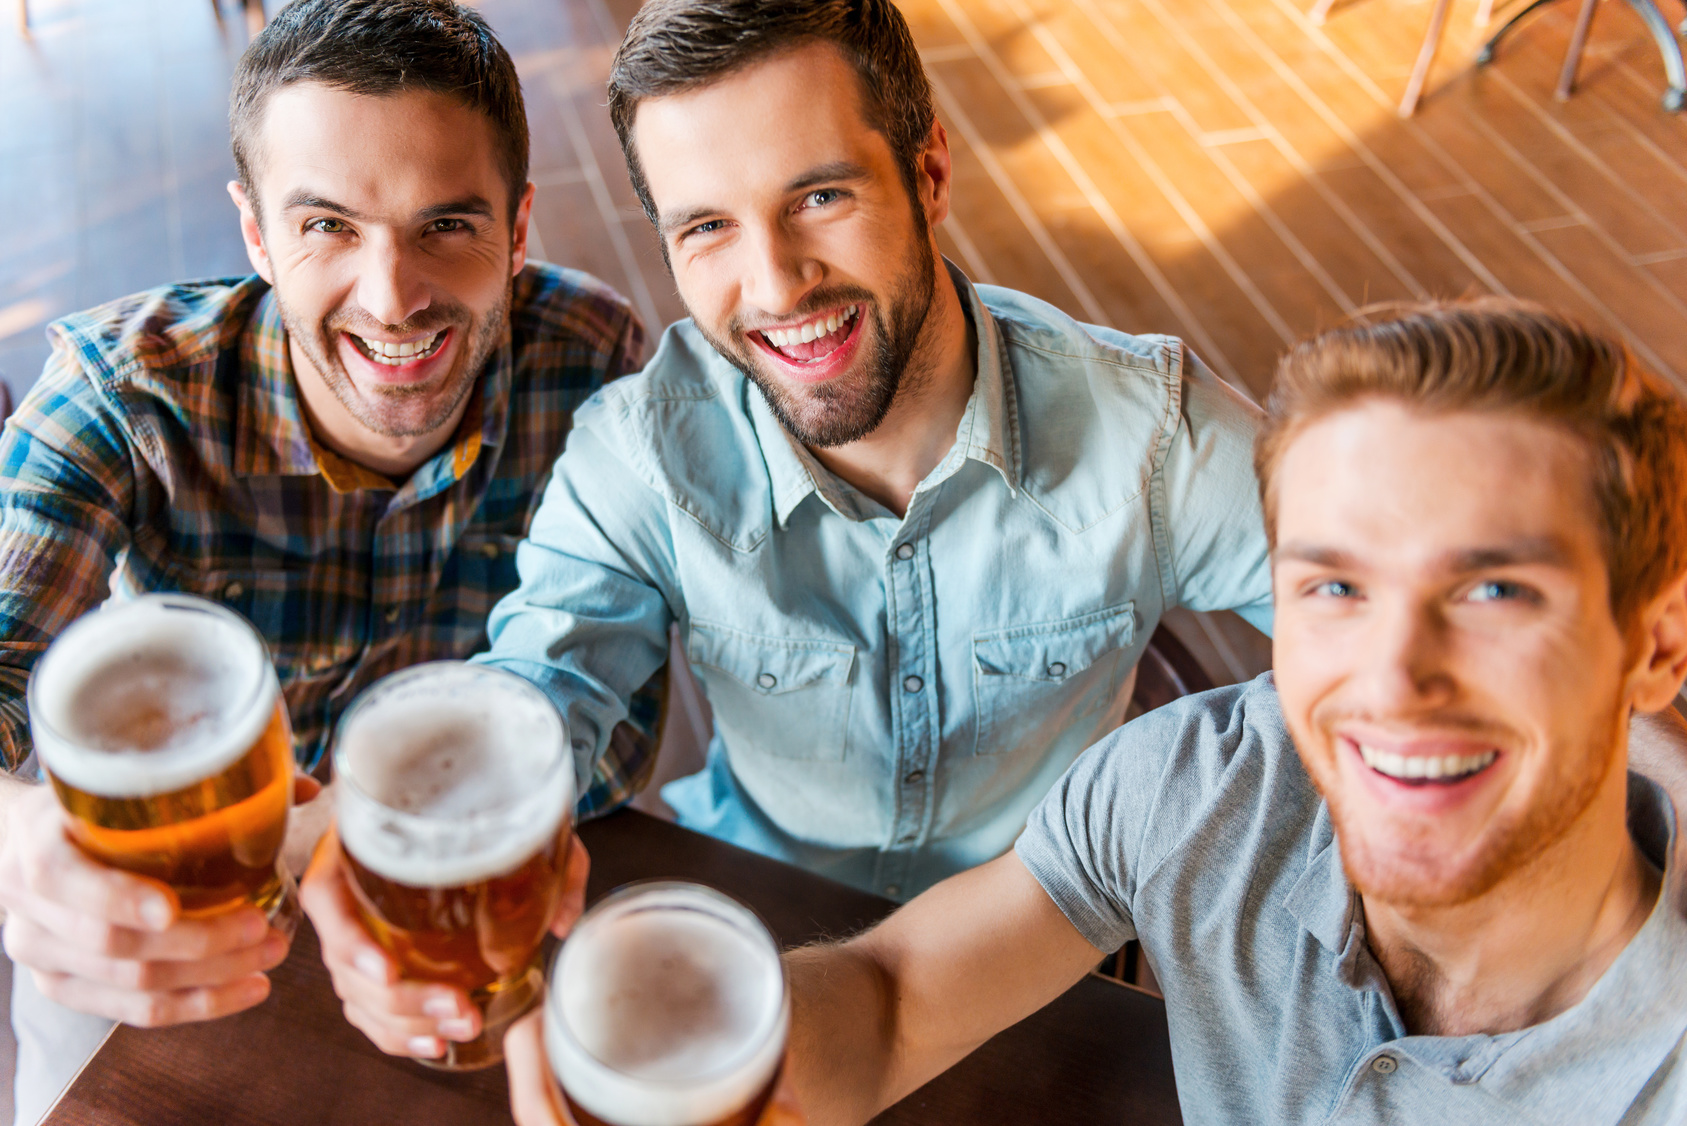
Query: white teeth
pixel 813 330
pixel 385 352
pixel 1425 766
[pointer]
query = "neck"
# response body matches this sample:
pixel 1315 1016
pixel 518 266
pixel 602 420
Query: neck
pixel 919 429
pixel 1533 945
pixel 337 428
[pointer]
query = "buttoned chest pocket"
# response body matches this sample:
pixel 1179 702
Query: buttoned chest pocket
pixel 785 697
pixel 1033 682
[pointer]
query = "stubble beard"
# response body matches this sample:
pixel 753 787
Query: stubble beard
pixel 392 414
pixel 1415 874
pixel 850 407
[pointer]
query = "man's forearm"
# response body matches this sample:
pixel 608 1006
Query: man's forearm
pixel 842 1034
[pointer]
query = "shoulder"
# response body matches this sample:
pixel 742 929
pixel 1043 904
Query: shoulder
pixel 164 333
pixel 1100 411
pixel 684 427
pixel 551 304
pixel 1200 770
pixel 1186 753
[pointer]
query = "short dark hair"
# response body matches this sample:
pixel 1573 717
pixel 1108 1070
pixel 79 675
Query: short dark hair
pixel 676 45
pixel 1505 356
pixel 380 48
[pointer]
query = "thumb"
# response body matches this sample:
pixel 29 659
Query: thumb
pixel 305 788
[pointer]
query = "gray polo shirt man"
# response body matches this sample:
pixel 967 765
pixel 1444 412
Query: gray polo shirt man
pixel 1196 831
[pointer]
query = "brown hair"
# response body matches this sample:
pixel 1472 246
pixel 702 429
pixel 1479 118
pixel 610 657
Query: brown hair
pixel 676 45
pixel 1499 354
pixel 381 48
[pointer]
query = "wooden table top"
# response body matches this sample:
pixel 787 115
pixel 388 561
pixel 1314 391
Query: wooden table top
pixel 1098 1054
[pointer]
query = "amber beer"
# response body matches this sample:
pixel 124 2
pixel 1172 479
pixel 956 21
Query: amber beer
pixel 162 729
pixel 667 1007
pixel 454 794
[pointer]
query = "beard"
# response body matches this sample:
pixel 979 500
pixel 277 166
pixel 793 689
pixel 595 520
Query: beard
pixel 411 410
pixel 850 407
pixel 1417 869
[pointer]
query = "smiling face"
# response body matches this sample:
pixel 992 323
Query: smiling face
pixel 387 235
pixel 793 239
pixel 1445 649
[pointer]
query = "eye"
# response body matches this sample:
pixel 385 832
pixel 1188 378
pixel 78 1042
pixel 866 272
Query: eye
pixel 326 226
pixel 1334 588
pixel 822 197
pixel 708 228
pixel 448 226
pixel 1499 590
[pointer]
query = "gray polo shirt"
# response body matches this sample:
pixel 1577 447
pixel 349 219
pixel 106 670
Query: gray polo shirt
pixel 1196 831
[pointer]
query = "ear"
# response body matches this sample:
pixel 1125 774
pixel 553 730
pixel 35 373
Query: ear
pixel 938 175
pixel 251 232
pixel 1661 663
pixel 518 230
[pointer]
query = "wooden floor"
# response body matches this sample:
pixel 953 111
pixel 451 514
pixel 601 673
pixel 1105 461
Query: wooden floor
pixel 1220 169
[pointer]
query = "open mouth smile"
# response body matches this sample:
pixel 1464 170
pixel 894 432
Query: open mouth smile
pixel 814 349
pixel 1426 770
pixel 397 355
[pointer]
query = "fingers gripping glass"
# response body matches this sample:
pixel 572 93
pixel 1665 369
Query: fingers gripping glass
pixel 454 798
pixel 163 731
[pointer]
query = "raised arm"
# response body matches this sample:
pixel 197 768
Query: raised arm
pixel 876 1017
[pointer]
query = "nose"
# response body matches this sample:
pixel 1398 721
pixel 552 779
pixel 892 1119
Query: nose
pixel 1405 667
pixel 391 286
pixel 778 272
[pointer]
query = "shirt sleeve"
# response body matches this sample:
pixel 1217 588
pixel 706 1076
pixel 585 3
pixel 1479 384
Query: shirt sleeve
pixel 1214 532
pixel 589 621
pixel 1135 799
pixel 66 491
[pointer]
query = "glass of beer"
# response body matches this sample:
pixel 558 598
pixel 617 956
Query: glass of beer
pixel 163 731
pixel 667 1007
pixel 454 795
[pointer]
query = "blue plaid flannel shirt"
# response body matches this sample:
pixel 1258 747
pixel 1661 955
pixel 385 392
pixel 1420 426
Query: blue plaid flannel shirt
pixel 164 448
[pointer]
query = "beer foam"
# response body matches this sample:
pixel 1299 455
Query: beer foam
pixel 457 773
pixel 667 1013
pixel 150 696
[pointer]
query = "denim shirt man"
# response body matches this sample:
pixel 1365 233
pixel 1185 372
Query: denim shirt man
pixel 891 696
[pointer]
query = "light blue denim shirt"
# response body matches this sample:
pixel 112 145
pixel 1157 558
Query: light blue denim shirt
pixel 892 696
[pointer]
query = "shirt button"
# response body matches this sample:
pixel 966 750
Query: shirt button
pixel 906 551
pixel 233 590
pixel 392 613
pixel 767 680
pixel 912 684
pixel 914 777
pixel 1057 669
pixel 1384 1065
pixel 490 550
pixel 893 890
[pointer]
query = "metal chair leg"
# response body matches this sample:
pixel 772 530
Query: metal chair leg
pixel 1426 56
pixel 1486 54
pixel 1664 36
pixel 1573 57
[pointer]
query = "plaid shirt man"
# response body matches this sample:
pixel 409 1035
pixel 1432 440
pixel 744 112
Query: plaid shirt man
pixel 165 448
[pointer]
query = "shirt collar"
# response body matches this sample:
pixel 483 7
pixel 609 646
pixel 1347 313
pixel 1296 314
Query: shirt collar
pixel 272 438
pixel 988 432
pixel 1636 1011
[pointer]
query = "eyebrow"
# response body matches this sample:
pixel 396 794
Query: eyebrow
pixel 830 173
pixel 468 205
pixel 1513 553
